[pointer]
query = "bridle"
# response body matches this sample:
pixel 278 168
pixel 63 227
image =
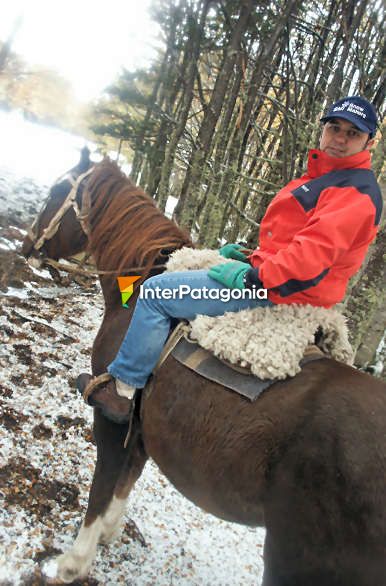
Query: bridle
pixel 72 265
pixel 70 202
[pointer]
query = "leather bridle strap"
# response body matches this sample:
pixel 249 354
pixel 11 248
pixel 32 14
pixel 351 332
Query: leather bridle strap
pixel 69 202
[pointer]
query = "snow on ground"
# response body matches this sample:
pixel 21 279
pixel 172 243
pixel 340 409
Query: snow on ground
pixel 47 459
pixel 46 449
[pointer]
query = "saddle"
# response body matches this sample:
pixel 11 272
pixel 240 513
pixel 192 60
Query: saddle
pixel 235 377
pixel 249 350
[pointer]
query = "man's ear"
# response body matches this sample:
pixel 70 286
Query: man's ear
pixel 369 144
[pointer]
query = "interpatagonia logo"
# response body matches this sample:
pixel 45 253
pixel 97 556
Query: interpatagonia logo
pixel 126 287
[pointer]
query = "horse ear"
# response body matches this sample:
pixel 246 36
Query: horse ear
pixel 84 163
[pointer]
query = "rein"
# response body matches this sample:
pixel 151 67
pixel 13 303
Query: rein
pixel 72 267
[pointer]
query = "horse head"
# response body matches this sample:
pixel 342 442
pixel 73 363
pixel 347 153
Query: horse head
pixel 98 208
pixel 59 229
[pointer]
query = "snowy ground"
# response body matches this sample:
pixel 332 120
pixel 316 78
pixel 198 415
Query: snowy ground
pixel 47 452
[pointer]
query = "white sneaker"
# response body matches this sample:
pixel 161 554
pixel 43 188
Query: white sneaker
pixel 124 390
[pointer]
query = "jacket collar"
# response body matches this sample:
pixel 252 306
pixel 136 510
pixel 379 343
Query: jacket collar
pixel 320 163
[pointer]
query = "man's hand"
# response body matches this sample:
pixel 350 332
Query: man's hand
pixel 230 274
pixel 233 251
pixel 236 275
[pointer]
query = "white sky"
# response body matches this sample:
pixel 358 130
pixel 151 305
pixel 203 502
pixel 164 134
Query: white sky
pixel 87 41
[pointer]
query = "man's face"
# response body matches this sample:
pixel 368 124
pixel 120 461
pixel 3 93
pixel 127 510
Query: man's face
pixel 340 138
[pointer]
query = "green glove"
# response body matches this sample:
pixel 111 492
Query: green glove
pixel 230 274
pixel 233 251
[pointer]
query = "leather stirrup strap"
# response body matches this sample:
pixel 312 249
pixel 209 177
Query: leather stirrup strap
pixel 181 330
pixel 95 382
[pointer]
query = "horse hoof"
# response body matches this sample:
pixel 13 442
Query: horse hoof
pixel 49 571
pixel 64 569
pixel 82 381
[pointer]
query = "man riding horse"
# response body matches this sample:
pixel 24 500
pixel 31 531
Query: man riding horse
pixel 313 239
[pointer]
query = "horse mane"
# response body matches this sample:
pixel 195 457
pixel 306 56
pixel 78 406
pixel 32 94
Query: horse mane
pixel 126 227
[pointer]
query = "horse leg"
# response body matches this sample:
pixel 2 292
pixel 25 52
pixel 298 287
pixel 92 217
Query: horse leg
pixel 131 471
pixel 117 470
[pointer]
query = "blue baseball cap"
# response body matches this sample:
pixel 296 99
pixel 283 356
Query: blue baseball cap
pixel 356 110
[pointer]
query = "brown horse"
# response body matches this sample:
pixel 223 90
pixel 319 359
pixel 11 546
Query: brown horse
pixel 307 460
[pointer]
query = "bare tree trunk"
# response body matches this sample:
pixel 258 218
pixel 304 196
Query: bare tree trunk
pixel 193 52
pixel 365 306
pixel 239 143
pixel 186 206
pixel 352 16
pixel 227 126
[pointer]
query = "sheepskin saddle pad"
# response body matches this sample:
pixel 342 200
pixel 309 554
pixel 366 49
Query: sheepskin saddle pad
pixel 270 342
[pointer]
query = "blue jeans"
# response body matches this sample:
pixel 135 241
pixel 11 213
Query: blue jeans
pixel 150 324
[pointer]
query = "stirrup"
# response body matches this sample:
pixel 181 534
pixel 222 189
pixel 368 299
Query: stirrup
pixel 95 382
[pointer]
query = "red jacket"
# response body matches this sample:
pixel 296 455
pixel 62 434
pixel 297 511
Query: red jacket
pixel 317 229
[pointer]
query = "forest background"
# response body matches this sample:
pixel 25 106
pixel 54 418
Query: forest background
pixel 225 114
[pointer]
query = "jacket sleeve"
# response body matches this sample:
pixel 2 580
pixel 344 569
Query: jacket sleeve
pixel 342 218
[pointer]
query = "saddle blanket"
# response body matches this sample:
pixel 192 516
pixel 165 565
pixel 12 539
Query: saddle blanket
pixel 205 363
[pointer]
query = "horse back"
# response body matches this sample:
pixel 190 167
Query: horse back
pixel 307 459
pixel 327 484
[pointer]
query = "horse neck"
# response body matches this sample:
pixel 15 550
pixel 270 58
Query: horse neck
pixel 113 301
pixel 127 231
pixel 110 291
pixel 132 264
pixel 109 283
pixel 112 295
